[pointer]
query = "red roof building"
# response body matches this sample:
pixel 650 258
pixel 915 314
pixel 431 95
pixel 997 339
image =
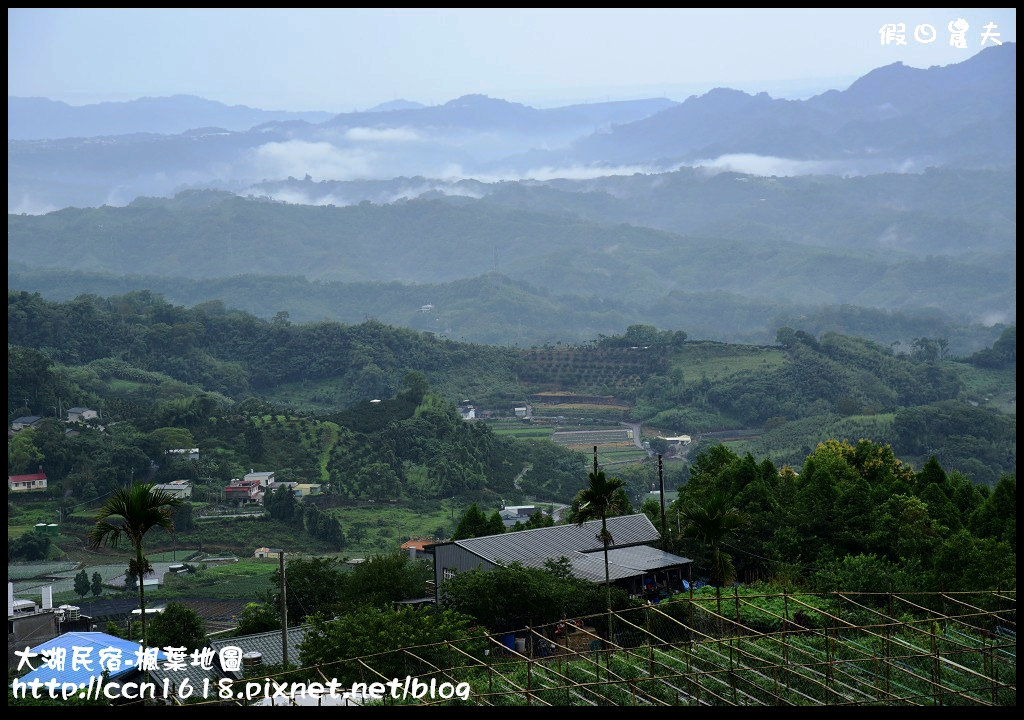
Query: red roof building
pixel 26 483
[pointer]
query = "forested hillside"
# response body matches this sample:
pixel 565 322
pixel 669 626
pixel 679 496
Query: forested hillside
pixel 210 235
pixel 138 348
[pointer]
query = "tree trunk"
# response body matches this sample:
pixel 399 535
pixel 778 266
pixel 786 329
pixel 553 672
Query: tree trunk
pixel 142 591
pixel 607 578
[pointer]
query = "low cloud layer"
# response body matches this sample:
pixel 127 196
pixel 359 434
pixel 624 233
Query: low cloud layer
pixel 367 134
pixel 765 165
pixel 569 172
pixel 323 160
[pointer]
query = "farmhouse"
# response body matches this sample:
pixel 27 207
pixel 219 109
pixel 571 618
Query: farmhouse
pixel 268 553
pixel 243 491
pixel 24 421
pixel 26 483
pixel 633 565
pixel 80 414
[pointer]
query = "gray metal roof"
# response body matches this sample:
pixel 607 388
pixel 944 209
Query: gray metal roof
pixel 645 558
pixel 622 563
pixel 268 644
pixel 561 540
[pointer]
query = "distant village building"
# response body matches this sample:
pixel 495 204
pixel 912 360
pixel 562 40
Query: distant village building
pixel 303 490
pixel 523 412
pixel 511 514
pixel 177 488
pixel 26 483
pixel 24 421
pixel 416 548
pixel 263 478
pixel 81 414
pixel 185 453
pixel 468 412
pixel 243 491
pixel 268 553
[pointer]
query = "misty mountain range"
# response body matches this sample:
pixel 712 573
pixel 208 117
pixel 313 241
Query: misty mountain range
pixel 886 210
pixel 41 118
pixel 893 119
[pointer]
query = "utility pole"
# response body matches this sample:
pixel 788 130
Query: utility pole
pixel 284 614
pixel 661 484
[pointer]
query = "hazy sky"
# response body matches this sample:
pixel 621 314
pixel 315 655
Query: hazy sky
pixel 340 59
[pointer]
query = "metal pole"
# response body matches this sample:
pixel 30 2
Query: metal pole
pixel 284 615
pixel 661 484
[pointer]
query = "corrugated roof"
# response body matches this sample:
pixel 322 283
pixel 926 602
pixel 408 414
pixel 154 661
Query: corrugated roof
pixel 560 540
pixel 645 558
pixel 622 563
pixel 268 644
pixel 26 478
pixel 96 641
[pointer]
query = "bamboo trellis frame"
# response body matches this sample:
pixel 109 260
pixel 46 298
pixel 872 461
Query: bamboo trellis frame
pixel 859 651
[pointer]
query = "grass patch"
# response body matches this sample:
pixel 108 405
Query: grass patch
pixel 382 527
pixel 719 360
pixel 995 389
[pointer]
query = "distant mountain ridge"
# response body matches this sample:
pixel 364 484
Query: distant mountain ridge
pixel 894 119
pixel 40 118
pixel 962 113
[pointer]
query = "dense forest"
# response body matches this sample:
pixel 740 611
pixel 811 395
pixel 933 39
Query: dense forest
pixel 137 346
pixel 855 517
pixel 498 310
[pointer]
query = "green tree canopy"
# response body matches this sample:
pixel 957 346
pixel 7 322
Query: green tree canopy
pixel 177 626
pixel 475 523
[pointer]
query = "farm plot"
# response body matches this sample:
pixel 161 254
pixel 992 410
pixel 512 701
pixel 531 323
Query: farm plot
pixel 592 437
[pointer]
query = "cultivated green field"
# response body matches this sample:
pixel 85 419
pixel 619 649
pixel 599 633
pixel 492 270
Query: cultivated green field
pixel 718 360
pixel 522 432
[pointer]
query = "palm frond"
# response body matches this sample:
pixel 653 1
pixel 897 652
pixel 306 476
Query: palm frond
pixel 130 512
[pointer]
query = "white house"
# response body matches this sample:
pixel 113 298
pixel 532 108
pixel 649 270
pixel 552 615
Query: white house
pixel 25 483
pixel 263 478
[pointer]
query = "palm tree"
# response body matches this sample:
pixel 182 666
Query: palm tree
pixel 128 515
pixel 710 522
pixel 601 499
